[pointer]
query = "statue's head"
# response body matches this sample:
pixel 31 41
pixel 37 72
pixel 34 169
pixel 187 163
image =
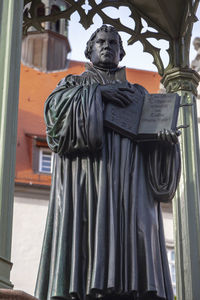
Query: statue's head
pixel 196 43
pixel 104 48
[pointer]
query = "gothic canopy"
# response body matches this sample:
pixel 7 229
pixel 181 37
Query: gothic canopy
pixel 172 20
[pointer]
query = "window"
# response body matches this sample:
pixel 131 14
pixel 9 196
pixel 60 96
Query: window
pixel 45 161
pixel 55 26
pixel 171 260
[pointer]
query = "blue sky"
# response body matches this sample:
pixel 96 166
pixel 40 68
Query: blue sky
pixel 135 57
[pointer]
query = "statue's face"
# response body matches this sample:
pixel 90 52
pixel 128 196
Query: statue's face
pixel 106 50
pixel 196 44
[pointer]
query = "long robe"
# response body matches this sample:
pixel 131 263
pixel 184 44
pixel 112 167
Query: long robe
pixel 104 232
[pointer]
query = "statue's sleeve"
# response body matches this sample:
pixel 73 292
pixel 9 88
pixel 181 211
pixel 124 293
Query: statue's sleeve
pixel 163 170
pixel 74 117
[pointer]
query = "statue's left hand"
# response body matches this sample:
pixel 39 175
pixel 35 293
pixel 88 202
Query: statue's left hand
pixel 169 136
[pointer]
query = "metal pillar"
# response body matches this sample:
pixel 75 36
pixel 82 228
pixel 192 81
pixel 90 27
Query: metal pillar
pixel 10 52
pixel 186 205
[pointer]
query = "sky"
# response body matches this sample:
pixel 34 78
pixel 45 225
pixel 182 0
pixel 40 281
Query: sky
pixel 135 57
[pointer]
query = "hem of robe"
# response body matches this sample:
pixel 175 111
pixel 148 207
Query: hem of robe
pixel 110 294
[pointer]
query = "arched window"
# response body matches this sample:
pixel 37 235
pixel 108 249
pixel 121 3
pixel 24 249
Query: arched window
pixel 55 26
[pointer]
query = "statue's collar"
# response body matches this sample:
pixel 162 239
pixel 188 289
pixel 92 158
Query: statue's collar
pixel 118 73
pixel 106 69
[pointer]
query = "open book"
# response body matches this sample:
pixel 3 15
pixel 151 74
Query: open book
pixel 144 117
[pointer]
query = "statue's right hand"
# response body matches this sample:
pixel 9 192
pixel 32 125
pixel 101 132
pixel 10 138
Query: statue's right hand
pixel 169 136
pixel 117 94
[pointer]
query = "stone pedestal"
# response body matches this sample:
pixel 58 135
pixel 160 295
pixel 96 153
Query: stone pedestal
pixel 6 294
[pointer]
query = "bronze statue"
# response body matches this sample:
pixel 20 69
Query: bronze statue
pixel 195 65
pixel 104 234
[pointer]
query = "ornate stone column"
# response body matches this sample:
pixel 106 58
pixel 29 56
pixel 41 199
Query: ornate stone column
pixel 10 52
pixel 186 205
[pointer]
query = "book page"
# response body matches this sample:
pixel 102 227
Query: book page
pixel 160 111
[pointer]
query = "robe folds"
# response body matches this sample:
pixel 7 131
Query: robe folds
pixel 104 232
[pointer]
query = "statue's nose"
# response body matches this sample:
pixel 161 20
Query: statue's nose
pixel 107 45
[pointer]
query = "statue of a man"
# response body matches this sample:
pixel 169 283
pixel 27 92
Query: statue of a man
pixel 195 65
pixel 104 234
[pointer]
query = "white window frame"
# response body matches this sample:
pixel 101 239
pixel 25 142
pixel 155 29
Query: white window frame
pixel 41 156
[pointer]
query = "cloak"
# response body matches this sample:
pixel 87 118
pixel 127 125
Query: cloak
pixel 104 232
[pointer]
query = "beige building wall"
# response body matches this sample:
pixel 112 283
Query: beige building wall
pixel 28 230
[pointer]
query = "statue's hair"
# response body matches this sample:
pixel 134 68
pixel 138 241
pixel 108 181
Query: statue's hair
pixel 104 28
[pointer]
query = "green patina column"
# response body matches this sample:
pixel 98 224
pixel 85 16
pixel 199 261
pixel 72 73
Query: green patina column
pixel 186 205
pixel 10 51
